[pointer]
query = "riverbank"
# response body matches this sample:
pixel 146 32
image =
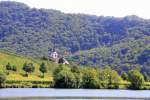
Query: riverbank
pixel 47 94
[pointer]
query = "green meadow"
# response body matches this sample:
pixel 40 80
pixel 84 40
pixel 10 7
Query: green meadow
pixel 18 76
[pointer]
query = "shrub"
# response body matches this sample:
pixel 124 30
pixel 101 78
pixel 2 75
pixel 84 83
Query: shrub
pixel 2 79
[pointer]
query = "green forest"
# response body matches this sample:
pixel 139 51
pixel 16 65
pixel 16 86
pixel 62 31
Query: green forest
pixel 108 51
pixel 39 73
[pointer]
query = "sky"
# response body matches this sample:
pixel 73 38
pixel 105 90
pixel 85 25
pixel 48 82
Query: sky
pixel 116 8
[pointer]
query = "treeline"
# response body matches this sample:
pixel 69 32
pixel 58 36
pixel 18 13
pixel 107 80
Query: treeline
pixel 28 68
pixel 95 78
pixel 72 76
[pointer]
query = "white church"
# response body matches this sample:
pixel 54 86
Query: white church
pixel 54 56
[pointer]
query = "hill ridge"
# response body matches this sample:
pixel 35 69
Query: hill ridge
pixel 34 32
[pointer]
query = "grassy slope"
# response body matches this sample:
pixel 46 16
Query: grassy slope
pixel 18 61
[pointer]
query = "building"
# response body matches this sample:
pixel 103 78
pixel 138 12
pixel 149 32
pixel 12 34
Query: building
pixel 55 57
pixel 62 60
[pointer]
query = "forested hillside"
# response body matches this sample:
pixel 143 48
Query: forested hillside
pixel 122 43
pixel 125 56
pixel 18 71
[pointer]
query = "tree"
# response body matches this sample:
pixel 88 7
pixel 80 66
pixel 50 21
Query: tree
pixel 44 58
pixel 28 68
pixel 78 79
pixel 64 79
pixel 136 79
pixel 2 79
pixel 14 68
pixel 90 79
pixel 43 68
pixel 75 69
pixel 58 69
pixel 109 78
pixel 78 75
pixel 8 67
pixel 114 79
pixel 146 77
pixel 104 77
pixel 124 76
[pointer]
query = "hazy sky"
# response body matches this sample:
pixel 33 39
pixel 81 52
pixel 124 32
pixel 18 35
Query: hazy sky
pixel 118 8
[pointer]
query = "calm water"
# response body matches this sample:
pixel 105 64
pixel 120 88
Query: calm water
pixel 47 94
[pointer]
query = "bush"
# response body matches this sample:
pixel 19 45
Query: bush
pixel 2 79
pixel 27 84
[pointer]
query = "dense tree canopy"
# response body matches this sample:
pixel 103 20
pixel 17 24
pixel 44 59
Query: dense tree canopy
pixel 90 78
pixel 64 79
pixel 78 77
pixel 109 78
pixel 2 79
pixel 121 43
pixel 136 79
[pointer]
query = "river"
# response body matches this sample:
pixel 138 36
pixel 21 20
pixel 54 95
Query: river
pixel 48 94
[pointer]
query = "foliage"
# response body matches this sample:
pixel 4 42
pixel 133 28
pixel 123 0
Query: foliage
pixel 11 68
pixel 43 68
pixel 90 79
pixel 114 80
pixel 109 78
pixel 122 57
pixel 8 67
pixel 122 43
pixel 14 68
pixel 28 84
pixel 136 79
pixel 58 69
pixel 64 79
pixel 28 68
pixel 124 76
pixel 146 77
pixel 68 77
pixel 78 80
pixel 18 61
pixel 64 76
pixel 2 79
pixel 76 70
